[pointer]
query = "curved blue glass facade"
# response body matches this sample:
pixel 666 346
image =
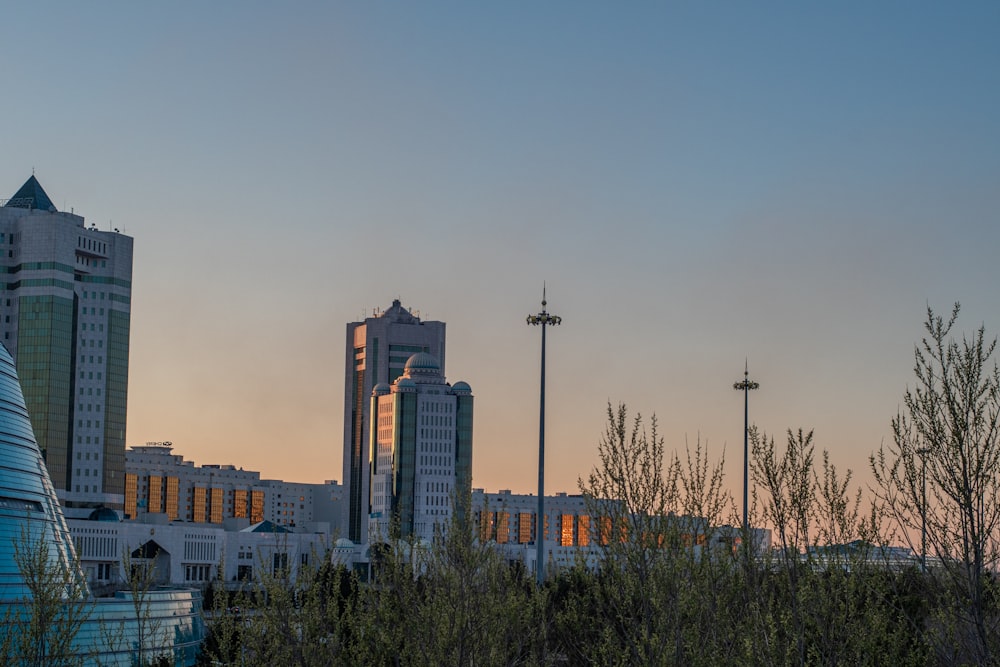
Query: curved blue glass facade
pixel 29 509
pixel 169 621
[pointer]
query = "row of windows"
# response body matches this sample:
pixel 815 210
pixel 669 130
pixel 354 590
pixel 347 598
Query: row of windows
pixel 91 244
pixel 438 406
pixel 86 261
pixel 435 461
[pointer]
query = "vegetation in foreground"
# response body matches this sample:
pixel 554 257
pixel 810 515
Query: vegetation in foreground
pixel 680 592
pixel 672 589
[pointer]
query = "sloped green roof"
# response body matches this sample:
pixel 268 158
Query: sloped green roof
pixel 265 526
pixel 31 195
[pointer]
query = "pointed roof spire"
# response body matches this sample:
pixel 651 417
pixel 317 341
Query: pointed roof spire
pixel 32 196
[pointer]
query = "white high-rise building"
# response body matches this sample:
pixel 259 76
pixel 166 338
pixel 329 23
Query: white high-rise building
pixel 421 463
pixel 66 292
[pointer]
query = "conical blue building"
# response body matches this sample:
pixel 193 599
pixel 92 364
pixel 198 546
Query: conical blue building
pixel 169 621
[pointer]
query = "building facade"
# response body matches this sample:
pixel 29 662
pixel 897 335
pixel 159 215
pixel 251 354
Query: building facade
pixel 573 533
pixel 376 351
pixel 421 451
pixel 65 289
pixel 159 482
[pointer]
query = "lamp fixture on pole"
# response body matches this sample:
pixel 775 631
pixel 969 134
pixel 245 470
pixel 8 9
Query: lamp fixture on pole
pixel 542 319
pixel 745 386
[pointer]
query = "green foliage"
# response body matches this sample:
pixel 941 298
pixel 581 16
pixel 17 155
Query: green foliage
pixel 938 485
pixel 674 585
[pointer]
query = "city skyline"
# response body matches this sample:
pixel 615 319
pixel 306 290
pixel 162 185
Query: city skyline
pixel 696 185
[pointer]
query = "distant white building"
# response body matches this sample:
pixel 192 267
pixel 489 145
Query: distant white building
pixel 157 481
pixel 190 554
pixel 508 520
pixel 189 521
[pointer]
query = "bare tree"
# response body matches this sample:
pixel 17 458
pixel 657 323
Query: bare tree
pixel 939 480
pixel 55 607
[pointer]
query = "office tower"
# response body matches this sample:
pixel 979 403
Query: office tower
pixel 421 451
pixel 377 350
pixel 65 291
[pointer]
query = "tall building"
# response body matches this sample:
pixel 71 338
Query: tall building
pixel 421 459
pixel 65 291
pixel 377 351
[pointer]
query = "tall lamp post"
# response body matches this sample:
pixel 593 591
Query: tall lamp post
pixel 745 387
pixel 542 319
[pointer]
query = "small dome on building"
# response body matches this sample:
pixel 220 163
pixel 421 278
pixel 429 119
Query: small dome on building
pixel 422 361
pixel 103 514
pixel 344 543
pixel 405 384
pixel 461 388
pixel 381 389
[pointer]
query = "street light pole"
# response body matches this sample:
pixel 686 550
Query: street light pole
pixel 745 387
pixel 542 319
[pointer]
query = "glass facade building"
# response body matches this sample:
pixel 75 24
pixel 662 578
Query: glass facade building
pixel 376 352
pixel 420 452
pixel 65 289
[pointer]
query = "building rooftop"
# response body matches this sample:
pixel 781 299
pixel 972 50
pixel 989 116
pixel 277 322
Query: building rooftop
pixel 31 196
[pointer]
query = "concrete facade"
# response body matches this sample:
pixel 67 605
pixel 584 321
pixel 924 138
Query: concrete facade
pixel 161 482
pixel 66 290
pixel 421 451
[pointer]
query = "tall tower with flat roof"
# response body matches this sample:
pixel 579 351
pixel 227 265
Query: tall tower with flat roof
pixel 376 352
pixel 65 293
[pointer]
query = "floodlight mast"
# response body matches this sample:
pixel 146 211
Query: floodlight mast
pixel 746 386
pixel 542 319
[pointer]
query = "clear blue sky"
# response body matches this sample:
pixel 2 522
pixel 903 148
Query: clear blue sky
pixel 698 183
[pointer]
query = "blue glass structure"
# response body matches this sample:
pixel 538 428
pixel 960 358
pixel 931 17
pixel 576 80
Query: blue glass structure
pixel 168 621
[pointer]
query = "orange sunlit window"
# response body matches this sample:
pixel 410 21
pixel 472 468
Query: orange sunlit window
pixel 256 506
pixel 173 498
pixel 503 527
pixel 565 530
pixel 605 530
pixel 524 527
pixel 216 505
pixel 240 503
pixel 155 497
pixel 131 495
pixel 583 530
pixel 198 511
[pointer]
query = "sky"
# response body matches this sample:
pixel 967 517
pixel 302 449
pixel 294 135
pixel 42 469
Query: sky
pixel 698 185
